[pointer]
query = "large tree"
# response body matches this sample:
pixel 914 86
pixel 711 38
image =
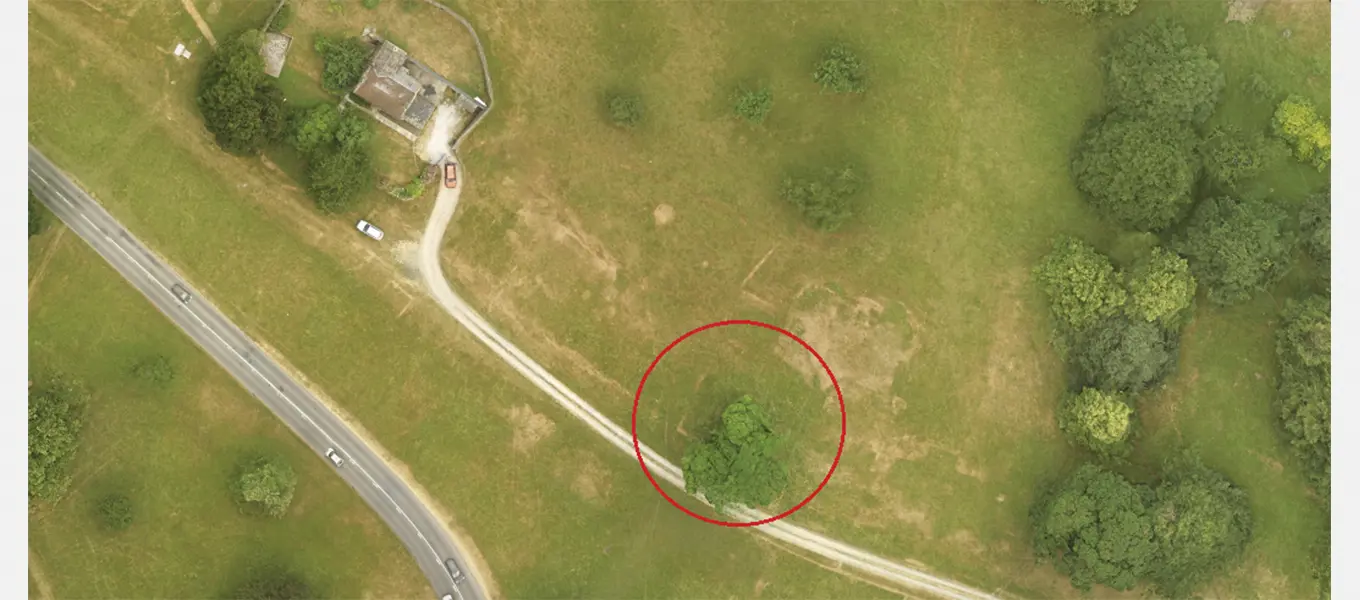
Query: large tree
pixel 1303 347
pixel 1098 421
pixel 1161 288
pixel 1201 521
pixel 739 462
pixel 1081 284
pixel 343 62
pixel 242 106
pixel 265 485
pixel 1140 173
pixel 1121 354
pixel 336 176
pixel 1156 73
pixel 1237 247
pixel 1097 527
pixel 56 409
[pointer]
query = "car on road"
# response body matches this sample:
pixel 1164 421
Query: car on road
pixel 369 229
pixel 451 175
pixel 335 457
pixel 446 597
pixel 454 572
pixel 181 293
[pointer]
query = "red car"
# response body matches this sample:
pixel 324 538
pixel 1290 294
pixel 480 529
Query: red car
pixel 451 175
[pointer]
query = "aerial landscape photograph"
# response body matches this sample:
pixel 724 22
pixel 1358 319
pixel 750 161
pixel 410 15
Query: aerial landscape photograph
pixel 684 299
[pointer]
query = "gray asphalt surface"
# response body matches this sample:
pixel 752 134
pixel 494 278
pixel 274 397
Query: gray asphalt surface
pixel 428 542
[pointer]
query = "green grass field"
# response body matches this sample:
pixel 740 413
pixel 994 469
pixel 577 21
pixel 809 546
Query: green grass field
pixel 172 449
pixel 594 248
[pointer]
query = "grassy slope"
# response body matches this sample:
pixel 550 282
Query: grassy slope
pixel 965 134
pixel 561 516
pixel 172 450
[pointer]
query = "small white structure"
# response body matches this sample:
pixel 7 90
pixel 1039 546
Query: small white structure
pixel 181 51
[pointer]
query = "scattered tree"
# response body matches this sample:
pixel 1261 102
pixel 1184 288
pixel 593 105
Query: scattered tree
pixel 344 61
pixel 56 410
pixel 1303 347
pixel 1315 225
pixel 1157 74
pixel 1231 157
pixel 371 4
pixel 273 583
pixel 1087 8
pixel 1097 421
pixel 1237 247
pixel 1201 521
pixel 37 216
pixel 154 369
pixel 826 201
pixel 625 110
pixel 1161 288
pixel 841 71
pixel 114 511
pixel 1097 527
pixel 242 106
pixel 1298 123
pixel 1139 173
pixel 265 485
pixel 1081 284
pixel 1125 355
pixel 754 104
pixel 737 463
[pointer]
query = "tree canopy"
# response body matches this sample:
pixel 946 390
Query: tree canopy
pixel 343 62
pixel 1140 173
pixel 37 217
pixel 1097 527
pixel 1121 354
pixel 826 199
pixel 1161 288
pixel 56 409
pixel 1097 421
pixel 1303 348
pixel 1232 157
pixel 242 106
pixel 1157 74
pixel 625 110
pixel 265 485
pixel 1081 284
pixel 1297 122
pixel 114 511
pixel 335 178
pixel 754 104
pixel 1200 522
pixel 841 71
pixel 1237 247
pixel 273 583
pixel 1315 229
pixel 738 463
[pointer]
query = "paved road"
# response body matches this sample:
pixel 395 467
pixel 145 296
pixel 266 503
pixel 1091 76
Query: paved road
pixel 841 553
pixel 427 540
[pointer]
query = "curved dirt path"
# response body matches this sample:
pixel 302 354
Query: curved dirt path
pixel 872 565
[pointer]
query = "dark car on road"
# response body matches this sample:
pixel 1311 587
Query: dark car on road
pixel 454 572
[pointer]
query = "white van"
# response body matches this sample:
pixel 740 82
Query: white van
pixel 335 458
pixel 369 229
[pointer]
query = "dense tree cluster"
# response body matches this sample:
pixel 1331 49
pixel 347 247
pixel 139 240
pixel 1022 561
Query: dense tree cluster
pixel 265 485
pixel 56 409
pixel 1237 247
pixel 339 160
pixel 1101 529
pixel 1158 74
pixel 242 106
pixel 840 71
pixel 343 62
pixel 1140 173
pixel 1303 349
pixel 737 464
pixel 825 199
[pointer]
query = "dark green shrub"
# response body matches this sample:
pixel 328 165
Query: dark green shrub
pixel 371 4
pixel 114 511
pixel 1138 173
pixel 37 216
pixel 157 370
pixel 826 200
pixel 754 104
pixel 283 18
pixel 841 71
pixel 343 62
pixel 625 110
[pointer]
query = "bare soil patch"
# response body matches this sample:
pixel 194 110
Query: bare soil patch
pixel 530 427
